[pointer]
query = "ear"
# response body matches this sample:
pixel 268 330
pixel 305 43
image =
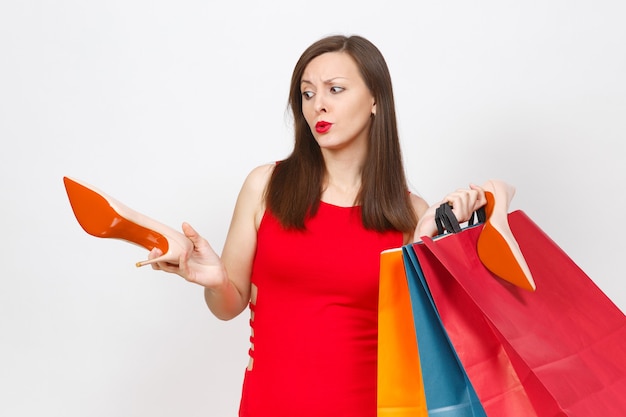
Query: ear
pixel 374 109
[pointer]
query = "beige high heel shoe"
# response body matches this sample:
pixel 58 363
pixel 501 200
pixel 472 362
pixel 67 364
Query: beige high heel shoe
pixel 102 216
pixel 497 248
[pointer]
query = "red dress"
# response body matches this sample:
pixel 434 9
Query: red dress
pixel 314 326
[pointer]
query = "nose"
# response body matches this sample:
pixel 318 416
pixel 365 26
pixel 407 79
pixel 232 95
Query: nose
pixel 320 103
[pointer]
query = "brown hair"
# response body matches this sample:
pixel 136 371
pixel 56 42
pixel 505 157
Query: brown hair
pixel 295 188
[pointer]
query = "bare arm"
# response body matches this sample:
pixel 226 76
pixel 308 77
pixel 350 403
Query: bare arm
pixel 420 206
pixel 229 300
pixel 226 279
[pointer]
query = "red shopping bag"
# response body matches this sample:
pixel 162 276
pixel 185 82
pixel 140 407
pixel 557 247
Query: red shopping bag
pixel 564 342
pixel 482 355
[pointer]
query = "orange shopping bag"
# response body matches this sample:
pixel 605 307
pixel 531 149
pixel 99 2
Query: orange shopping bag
pixel 400 386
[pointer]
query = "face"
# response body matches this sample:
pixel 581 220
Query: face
pixel 336 103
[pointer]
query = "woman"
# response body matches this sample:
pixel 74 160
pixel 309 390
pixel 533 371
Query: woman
pixel 303 247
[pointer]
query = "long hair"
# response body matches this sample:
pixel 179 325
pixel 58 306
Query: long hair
pixel 295 187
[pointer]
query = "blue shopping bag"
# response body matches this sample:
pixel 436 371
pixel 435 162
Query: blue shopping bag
pixel 448 390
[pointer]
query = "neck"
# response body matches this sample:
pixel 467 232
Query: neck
pixel 342 183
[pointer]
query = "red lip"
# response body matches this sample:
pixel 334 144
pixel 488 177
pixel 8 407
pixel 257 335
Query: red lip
pixel 322 126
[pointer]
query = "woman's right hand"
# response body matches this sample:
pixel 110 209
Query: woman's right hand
pixel 201 265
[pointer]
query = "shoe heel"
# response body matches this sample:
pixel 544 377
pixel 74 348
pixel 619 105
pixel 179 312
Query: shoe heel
pixel 497 248
pixel 102 216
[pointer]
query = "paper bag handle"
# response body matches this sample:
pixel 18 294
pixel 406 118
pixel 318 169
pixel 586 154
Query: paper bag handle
pixel 447 221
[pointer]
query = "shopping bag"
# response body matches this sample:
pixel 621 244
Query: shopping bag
pixel 481 354
pixel 400 388
pixel 448 390
pixel 566 341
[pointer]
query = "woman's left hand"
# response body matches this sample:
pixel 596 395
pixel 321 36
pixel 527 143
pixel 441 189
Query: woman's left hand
pixel 464 202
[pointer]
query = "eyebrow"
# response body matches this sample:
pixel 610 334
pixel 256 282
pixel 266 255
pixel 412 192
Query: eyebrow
pixel 328 81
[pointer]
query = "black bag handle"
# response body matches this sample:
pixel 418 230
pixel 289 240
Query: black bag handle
pixel 446 220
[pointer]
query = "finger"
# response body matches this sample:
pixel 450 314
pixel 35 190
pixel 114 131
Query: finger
pixel 189 231
pixel 183 265
pixel 166 267
pixel 452 198
pixel 155 253
pixel 464 202
pixel 481 199
pixel 458 198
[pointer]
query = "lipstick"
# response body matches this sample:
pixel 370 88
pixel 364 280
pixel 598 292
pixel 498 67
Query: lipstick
pixel 322 126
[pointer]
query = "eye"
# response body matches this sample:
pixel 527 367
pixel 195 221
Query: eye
pixel 307 95
pixel 336 89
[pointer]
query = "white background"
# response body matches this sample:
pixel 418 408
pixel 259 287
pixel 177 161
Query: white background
pixel 168 105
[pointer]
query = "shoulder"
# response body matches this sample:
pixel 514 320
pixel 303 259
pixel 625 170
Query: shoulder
pixel 252 195
pixel 419 205
pixel 258 178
